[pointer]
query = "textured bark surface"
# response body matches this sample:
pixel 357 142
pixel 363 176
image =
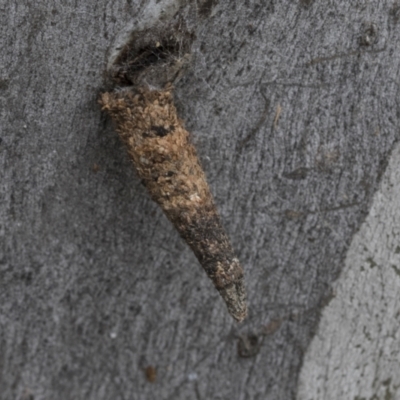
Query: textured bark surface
pixel 293 107
pixel 356 351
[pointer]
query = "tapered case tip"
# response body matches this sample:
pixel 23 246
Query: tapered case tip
pixel 234 296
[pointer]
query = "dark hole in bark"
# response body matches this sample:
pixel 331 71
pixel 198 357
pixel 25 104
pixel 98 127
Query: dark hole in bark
pixel 136 61
pixel 149 51
pixel 248 345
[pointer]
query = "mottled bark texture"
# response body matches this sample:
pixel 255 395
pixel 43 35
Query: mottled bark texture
pixel 167 163
pixel 365 313
pixel 96 286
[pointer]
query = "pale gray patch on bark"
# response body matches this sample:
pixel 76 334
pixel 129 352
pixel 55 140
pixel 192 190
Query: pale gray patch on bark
pixel 355 353
pixel 95 285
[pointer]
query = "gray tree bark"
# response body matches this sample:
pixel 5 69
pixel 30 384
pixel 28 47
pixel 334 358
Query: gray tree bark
pixel 293 107
pixel 355 352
